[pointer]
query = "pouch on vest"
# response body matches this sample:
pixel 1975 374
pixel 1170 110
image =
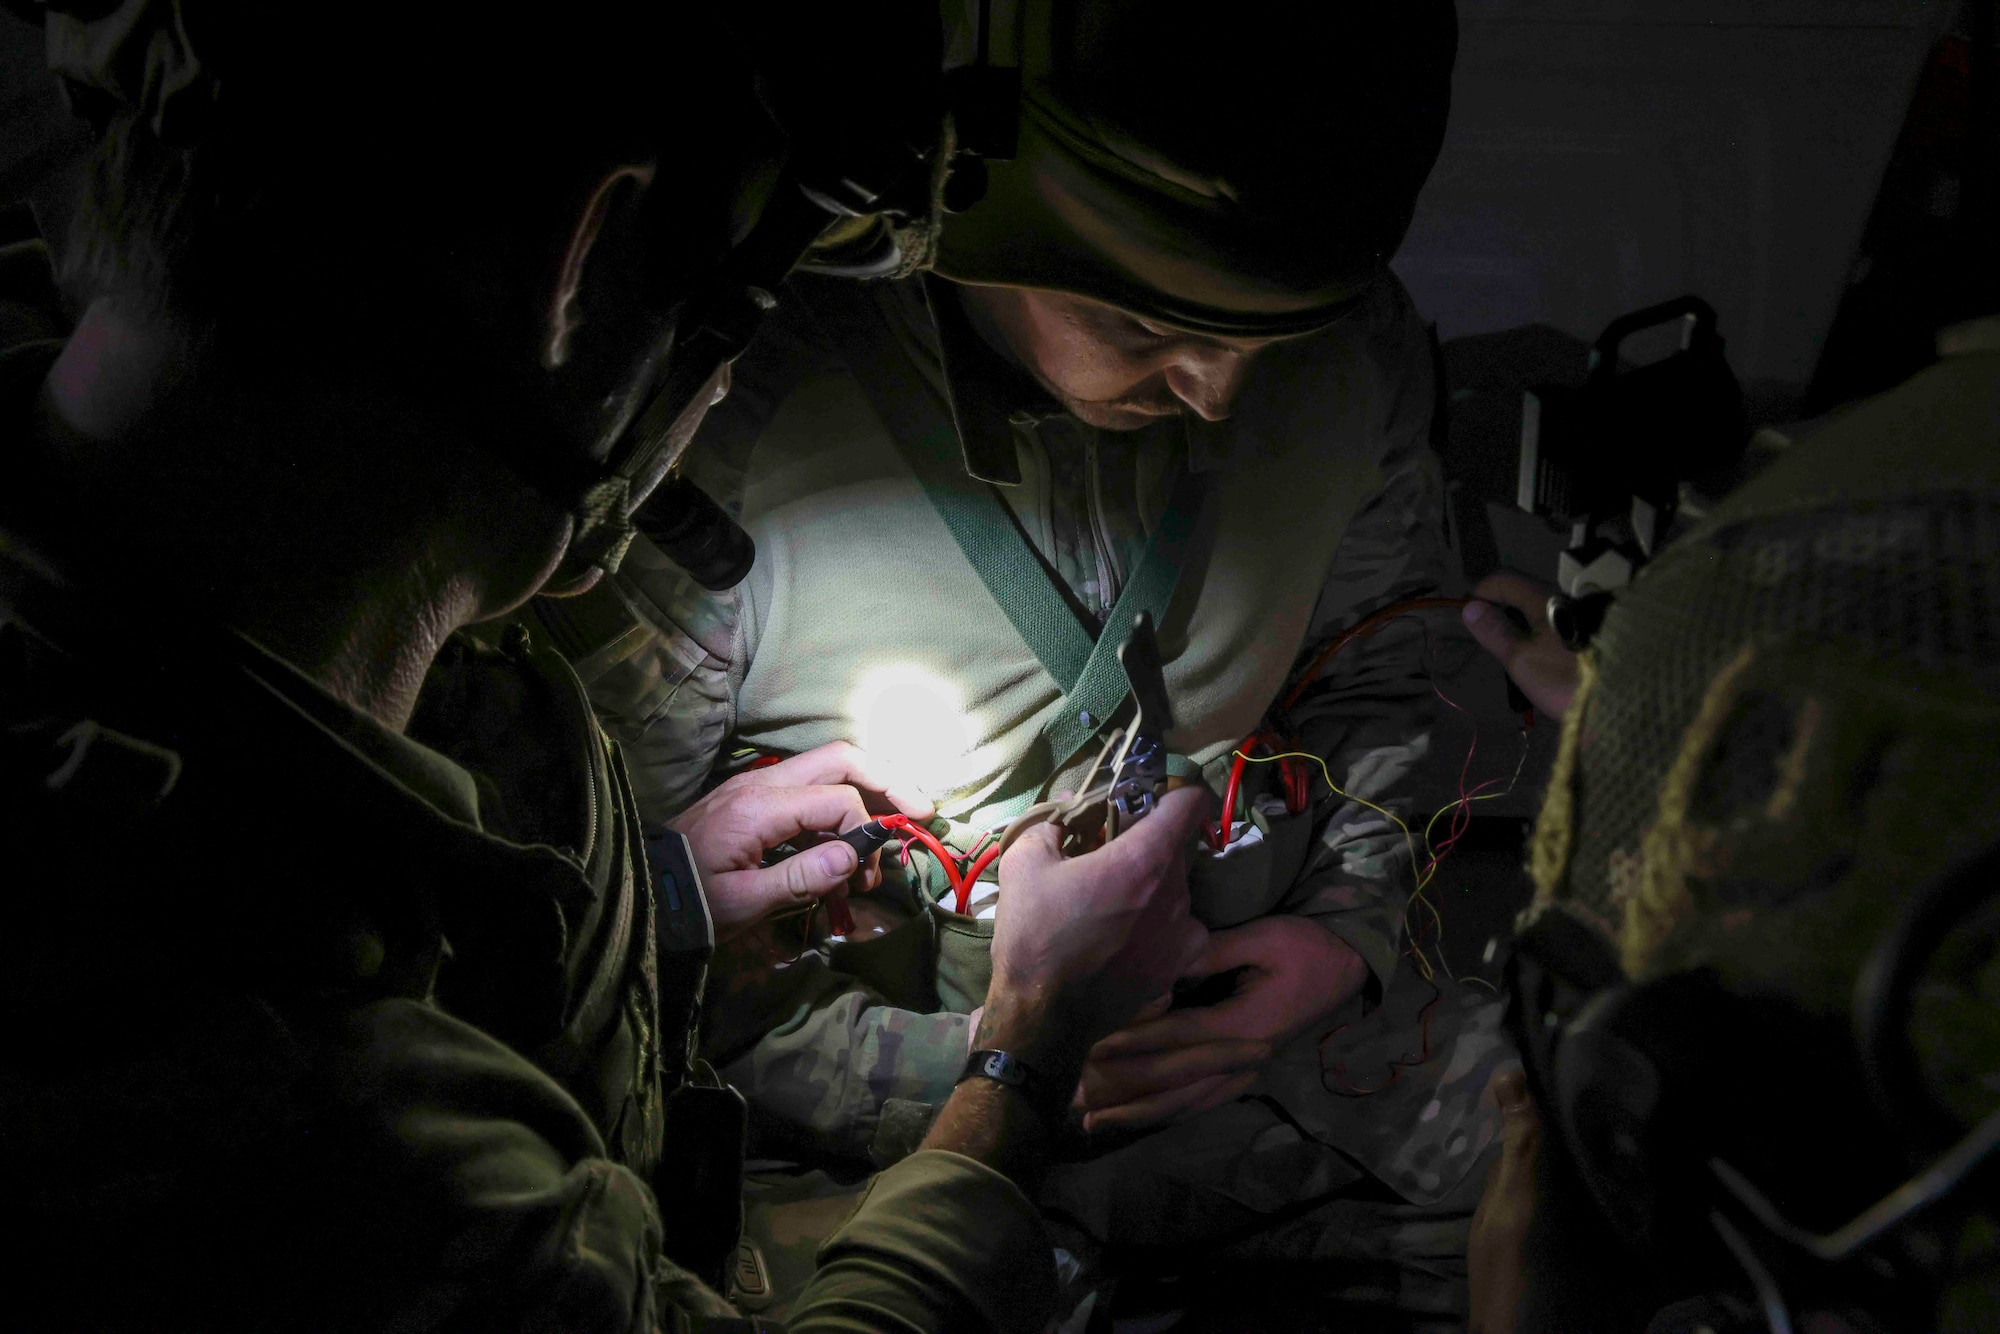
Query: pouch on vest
pixel 936 961
pixel 1247 879
pixel 964 959
pixel 898 964
pixel 699 1183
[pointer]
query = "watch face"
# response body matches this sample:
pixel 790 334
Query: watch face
pixel 999 1067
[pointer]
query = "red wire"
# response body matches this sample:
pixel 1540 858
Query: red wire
pixel 1296 781
pixel 1289 772
pixel 1218 838
pixel 961 889
pixel 984 860
pixel 1396 1068
pixel 1367 625
pixel 1298 785
pixel 839 916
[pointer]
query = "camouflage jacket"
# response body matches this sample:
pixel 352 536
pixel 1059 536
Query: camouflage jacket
pixel 1326 505
pixel 314 1024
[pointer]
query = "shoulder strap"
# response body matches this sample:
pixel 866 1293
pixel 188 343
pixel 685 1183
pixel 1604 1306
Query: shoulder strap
pixel 1084 664
pixel 979 521
pixel 986 531
pixel 1100 688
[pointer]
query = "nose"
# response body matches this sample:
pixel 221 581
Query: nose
pixel 1207 378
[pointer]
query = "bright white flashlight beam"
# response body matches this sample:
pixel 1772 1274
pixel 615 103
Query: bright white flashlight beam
pixel 915 720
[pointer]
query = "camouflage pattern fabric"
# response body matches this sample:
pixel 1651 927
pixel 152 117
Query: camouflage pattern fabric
pixel 670 684
pixel 1788 727
pixel 358 1032
pixel 841 1046
pixel 1249 1183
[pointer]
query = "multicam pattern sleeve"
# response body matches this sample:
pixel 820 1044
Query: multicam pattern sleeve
pixel 1370 712
pixel 662 656
pixel 834 1067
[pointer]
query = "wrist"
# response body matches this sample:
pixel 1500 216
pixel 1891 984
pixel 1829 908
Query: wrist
pixel 995 1125
pixel 1036 1028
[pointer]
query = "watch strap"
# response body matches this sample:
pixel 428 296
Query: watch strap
pixel 1002 1068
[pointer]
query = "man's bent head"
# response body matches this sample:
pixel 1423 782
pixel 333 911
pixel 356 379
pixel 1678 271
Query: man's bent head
pixel 1109 368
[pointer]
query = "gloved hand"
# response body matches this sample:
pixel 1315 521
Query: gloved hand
pixel 818 793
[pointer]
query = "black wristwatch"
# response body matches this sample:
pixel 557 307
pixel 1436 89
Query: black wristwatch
pixel 1002 1068
pixel 1010 1071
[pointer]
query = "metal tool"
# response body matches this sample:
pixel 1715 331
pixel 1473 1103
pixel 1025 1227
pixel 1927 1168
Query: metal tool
pixel 1140 777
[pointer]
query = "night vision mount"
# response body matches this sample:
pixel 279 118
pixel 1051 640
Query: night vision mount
pixel 852 186
pixel 1619 459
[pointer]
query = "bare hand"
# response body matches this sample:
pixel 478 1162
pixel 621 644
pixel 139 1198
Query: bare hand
pixel 1079 944
pixel 1187 1061
pixel 817 793
pixel 1538 661
pixel 1496 1255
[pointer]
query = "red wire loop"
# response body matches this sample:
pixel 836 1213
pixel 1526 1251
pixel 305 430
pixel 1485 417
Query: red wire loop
pixel 961 888
pixel 1295 779
pixel 979 865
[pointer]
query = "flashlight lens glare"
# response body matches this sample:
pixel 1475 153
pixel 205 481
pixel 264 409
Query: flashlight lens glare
pixel 915 720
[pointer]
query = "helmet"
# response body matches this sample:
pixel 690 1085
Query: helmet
pixel 759 128
pixel 1236 170
pixel 1758 984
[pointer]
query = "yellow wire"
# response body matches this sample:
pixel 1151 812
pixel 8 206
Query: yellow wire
pixel 1409 840
pixel 1438 814
pixel 1422 875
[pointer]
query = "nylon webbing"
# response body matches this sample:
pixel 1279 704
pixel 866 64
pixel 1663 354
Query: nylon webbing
pixel 1101 687
pixel 1007 564
pixel 1086 669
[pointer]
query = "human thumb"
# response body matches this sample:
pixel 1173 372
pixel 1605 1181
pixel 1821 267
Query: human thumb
pixel 807 877
pixel 1035 848
pixel 1491 630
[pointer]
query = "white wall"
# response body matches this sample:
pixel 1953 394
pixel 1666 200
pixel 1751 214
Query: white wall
pixel 1603 156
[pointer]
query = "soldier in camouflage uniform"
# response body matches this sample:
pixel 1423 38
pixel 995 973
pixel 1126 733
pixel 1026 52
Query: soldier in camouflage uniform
pixel 1782 752
pixel 1219 236
pixel 341 992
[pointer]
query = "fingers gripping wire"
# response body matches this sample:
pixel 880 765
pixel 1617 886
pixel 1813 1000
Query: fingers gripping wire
pixel 960 879
pixel 1063 812
pixel 961 874
pixel 983 854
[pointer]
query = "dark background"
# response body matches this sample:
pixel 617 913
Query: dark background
pixel 1821 171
